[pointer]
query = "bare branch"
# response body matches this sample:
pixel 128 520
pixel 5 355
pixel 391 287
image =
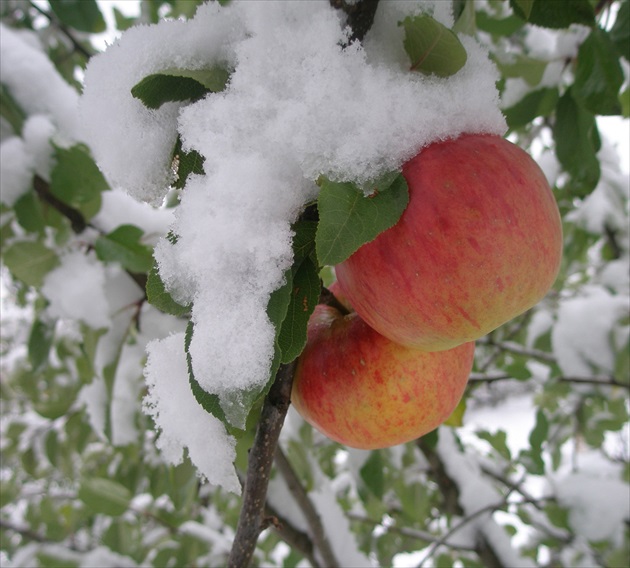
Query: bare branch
pixel 308 509
pixel 294 537
pixel 250 522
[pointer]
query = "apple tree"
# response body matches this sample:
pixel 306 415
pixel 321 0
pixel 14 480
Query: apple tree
pixel 172 210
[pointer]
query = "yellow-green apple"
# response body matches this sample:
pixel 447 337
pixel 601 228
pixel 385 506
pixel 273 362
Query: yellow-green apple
pixel 479 243
pixel 365 391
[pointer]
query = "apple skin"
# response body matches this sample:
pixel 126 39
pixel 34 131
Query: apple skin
pixel 365 391
pixel 479 243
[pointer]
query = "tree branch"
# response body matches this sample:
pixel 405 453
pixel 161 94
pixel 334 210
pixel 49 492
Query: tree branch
pixel 42 188
pixel 308 509
pixel 64 30
pixel 250 522
pixel 294 537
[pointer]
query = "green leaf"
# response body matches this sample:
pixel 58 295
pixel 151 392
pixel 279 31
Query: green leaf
pixel 524 67
pixel 304 297
pixel 576 137
pixel 524 7
pixel 11 111
pixel 557 515
pixel 105 496
pixel 537 103
pixel 620 32
pixel 39 343
pixel 122 22
pixel 348 219
pixel 465 21
pixel 555 14
pixel 372 474
pixel 123 245
pixel 498 27
pixel 538 435
pixel 498 441
pixel 179 85
pixel 29 214
pixel 186 163
pixel 622 365
pixel 158 296
pixel 624 101
pixel 82 15
pixel 30 262
pixel 76 180
pixel 456 418
pixel 208 401
pixel 432 47
pixel 598 77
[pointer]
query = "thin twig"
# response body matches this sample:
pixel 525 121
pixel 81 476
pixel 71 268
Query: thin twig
pixel 55 21
pixel 411 533
pixel 294 537
pixel 301 497
pixel 250 522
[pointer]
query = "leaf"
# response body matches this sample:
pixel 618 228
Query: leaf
pixel 465 21
pixel 555 14
pixel 209 402
pixel 537 103
pixel 179 85
pixel 76 180
pixel 11 111
pixel 39 342
pixel 432 47
pixel 82 15
pixel 158 296
pixel 122 22
pixel 29 214
pixel 524 7
pixel 105 496
pixel 576 137
pixel 526 68
pixel 624 101
pixel 538 435
pixel 456 418
pixel 498 27
pixel 372 474
pixel 30 262
pixel 598 76
pixel 498 441
pixel 620 32
pixel 348 219
pixel 305 292
pixel 123 245
pixel 186 163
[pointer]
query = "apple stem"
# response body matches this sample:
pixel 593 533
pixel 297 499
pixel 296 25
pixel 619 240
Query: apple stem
pixel 328 298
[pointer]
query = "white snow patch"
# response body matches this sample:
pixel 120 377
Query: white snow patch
pixel 182 421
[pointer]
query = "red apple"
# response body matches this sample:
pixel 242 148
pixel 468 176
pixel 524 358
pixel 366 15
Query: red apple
pixel 479 243
pixel 365 391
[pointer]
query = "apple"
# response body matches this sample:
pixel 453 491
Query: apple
pixel 361 389
pixel 479 243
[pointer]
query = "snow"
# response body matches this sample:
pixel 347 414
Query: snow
pixel 579 349
pixel 16 170
pixel 32 79
pixel 297 106
pixel 37 133
pixel 76 290
pixel 119 208
pixel 476 493
pixel 183 422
